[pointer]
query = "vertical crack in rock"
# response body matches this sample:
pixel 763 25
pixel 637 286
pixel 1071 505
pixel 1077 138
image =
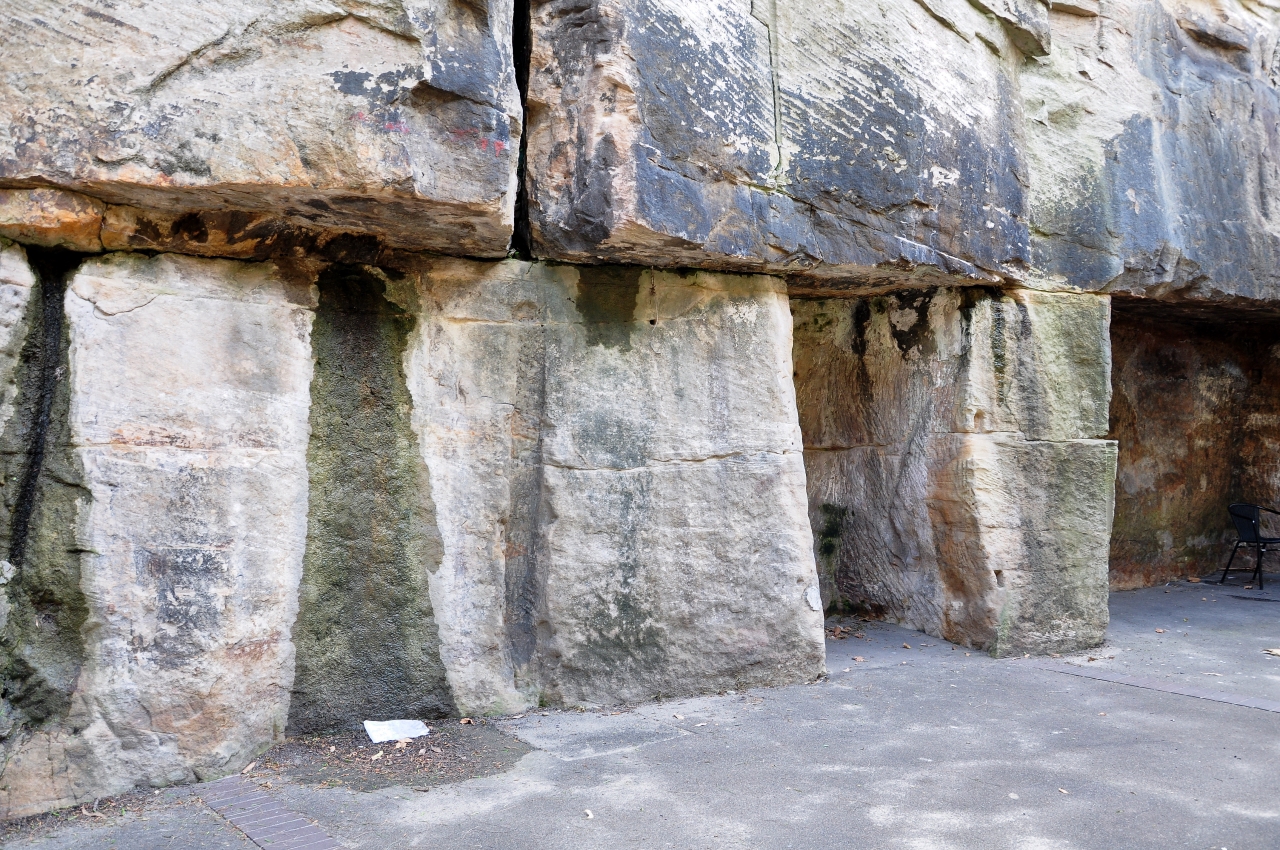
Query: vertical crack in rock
pixel 766 12
pixel 522 56
pixel 366 637
pixel 42 608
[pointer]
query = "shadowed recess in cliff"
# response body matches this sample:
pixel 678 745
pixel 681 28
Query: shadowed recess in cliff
pixel 366 637
pixel 1196 411
pixel 43 609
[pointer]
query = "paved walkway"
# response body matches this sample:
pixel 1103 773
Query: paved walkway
pixel 926 747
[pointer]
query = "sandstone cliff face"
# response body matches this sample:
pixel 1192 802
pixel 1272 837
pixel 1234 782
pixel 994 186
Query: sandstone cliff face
pixel 274 125
pixel 267 463
pixel 826 137
pixel 169 514
pixel 1153 135
pixel 956 480
pixel 619 483
pixel 271 499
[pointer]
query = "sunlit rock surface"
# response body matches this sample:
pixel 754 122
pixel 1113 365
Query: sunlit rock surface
pixel 1154 152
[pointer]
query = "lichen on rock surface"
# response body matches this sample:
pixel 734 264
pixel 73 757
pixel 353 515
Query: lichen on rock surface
pixel 366 638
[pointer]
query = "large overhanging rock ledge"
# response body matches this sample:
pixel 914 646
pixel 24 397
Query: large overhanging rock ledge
pixel 399 121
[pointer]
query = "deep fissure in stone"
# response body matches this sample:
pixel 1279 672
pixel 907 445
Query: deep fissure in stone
pixel 41 645
pixel 366 638
pixel 522 56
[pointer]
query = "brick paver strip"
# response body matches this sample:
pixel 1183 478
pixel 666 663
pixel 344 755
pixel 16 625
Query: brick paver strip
pixel 258 815
pixel 1157 685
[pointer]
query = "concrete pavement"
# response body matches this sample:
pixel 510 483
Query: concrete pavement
pixel 926 747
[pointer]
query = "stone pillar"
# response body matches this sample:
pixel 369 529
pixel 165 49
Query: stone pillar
pixel 957 480
pixel 619 483
pixel 169 511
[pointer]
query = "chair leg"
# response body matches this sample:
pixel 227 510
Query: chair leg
pixel 1227 568
pixel 1261 550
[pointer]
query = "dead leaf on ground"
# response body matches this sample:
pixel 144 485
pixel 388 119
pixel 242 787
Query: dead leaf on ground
pixel 1159 631
pixel 1194 580
pixel 1275 652
pixel 467 721
pixel 376 756
pixel 858 658
pixel 1064 791
pixel 250 766
pixel 906 646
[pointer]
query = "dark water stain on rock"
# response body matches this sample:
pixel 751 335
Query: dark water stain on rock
pixel 367 643
pixel 41 645
pixel 606 300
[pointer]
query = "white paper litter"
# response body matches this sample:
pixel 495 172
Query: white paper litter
pixel 395 730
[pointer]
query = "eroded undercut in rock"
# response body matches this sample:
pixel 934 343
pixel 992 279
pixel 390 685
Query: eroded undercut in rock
pixel 1196 414
pixel 366 638
pixel 956 478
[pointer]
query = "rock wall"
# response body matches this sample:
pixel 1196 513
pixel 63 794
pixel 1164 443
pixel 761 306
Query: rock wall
pixel 157 532
pixel 1195 413
pixel 619 481
pixel 956 478
pixel 253 128
pixel 243 496
pixel 1153 144
pixel 327 391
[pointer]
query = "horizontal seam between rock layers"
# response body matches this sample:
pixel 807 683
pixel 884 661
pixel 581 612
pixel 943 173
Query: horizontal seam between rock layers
pixel 668 461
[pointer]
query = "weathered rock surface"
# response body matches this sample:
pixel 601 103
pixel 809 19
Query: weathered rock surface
pixel 366 637
pixel 956 481
pixel 826 137
pixel 51 218
pixel 618 481
pixel 1153 139
pixel 1197 416
pixel 178 452
pixel 400 120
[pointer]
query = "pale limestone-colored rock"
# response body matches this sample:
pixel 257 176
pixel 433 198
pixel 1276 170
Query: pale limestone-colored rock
pixel 1154 161
pixel 396 119
pixel 16 281
pixel 954 477
pixel 617 474
pixel 189 388
pixel 51 218
pixel 848 141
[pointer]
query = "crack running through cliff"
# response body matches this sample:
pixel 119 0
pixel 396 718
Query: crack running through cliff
pixel 522 57
pixel 53 268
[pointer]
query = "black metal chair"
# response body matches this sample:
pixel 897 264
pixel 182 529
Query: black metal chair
pixel 1248 522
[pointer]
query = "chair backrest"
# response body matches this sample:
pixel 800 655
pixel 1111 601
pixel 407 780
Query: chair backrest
pixel 1246 519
